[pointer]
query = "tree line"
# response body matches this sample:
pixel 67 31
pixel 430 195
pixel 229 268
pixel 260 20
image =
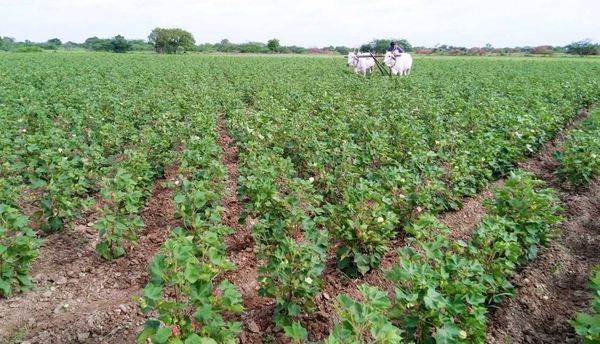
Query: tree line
pixel 176 40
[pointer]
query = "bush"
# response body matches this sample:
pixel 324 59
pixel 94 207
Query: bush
pixel 182 292
pixel 292 276
pixel 533 209
pixel 363 224
pixel 588 325
pixel 580 156
pixel 28 49
pixel 18 248
pixel 359 321
pixel 542 50
pixel 443 288
pixel 581 48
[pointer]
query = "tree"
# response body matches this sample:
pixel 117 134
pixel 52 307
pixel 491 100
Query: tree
pixel 342 50
pixel 97 44
pixel 581 48
pixel 225 46
pixel 296 49
pixel 54 41
pixel 381 45
pixel 119 44
pixel 140 45
pixel 543 50
pixel 171 40
pixel 6 43
pixel 273 44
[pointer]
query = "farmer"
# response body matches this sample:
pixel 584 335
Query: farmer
pixel 395 48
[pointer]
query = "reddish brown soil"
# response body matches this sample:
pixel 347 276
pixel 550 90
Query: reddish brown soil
pixel 554 287
pixel 462 222
pixel 257 318
pixel 240 248
pixel 80 297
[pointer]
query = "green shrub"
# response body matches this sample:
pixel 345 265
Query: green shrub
pixel 364 224
pixel 189 306
pixel 18 248
pixel 580 156
pixel 532 208
pixel 587 325
pixel 28 49
pixel 363 321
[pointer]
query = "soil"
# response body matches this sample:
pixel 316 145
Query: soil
pixel 553 288
pixel 463 221
pixel 80 298
pixel 241 249
pixel 257 321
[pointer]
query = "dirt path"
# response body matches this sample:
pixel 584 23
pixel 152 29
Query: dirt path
pixel 463 221
pixel 257 321
pixel 554 287
pixel 78 297
pixel 241 249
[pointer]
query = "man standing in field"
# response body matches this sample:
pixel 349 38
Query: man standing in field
pixel 395 48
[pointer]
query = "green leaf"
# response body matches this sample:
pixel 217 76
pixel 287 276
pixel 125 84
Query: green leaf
pixel 162 335
pixel 152 292
pixel 5 288
pixel 55 223
pixel 204 312
pixel 150 328
pixel 432 299
pixel 193 271
pixel 195 339
pixel 296 332
pixel 102 249
pixel 448 334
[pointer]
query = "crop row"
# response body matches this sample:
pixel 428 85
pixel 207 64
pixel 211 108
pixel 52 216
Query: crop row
pixel 78 134
pixel 326 160
pixel 587 325
pixel 378 163
pixel 186 302
pixel 382 152
pixel 579 157
pixel 442 288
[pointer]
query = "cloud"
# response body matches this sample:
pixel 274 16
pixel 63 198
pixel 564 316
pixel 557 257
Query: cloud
pixel 310 22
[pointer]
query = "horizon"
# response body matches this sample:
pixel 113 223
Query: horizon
pixel 468 23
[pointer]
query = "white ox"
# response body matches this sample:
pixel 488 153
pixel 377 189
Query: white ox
pixel 399 63
pixel 362 63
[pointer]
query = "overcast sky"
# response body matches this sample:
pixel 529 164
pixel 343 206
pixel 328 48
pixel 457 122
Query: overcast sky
pixel 310 23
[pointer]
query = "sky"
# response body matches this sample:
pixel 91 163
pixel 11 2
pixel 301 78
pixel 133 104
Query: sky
pixel 310 23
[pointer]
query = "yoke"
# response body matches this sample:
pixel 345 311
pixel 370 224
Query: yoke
pixel 380 65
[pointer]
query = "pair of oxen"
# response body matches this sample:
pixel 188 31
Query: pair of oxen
pixel 363 63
